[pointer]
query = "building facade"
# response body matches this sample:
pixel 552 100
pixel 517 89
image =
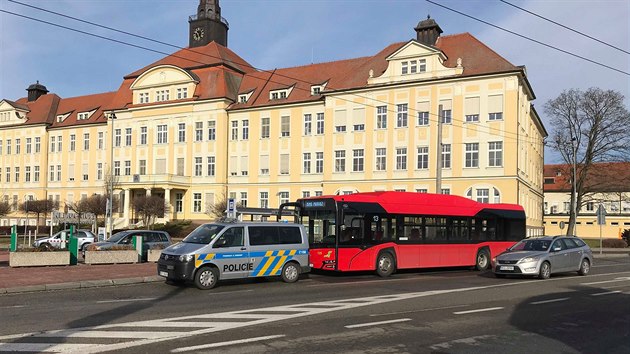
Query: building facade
pixel 202 125
pixel 608 187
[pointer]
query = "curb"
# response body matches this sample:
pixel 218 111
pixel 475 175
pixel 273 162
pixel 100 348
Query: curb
pixel 86 284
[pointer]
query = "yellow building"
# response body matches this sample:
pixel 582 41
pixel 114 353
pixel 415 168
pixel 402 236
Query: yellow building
pixel 608 186
pixel 202 124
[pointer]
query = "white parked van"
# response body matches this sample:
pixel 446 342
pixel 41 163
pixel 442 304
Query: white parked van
pixel 237 250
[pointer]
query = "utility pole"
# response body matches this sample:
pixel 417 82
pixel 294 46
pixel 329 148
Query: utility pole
pixel 110 200
pixel 574 192
pixel 438 171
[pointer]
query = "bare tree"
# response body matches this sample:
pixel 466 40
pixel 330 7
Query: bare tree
pixel 95 204
pixel 149 208
pixel 39 207
pixel 589 126
pixel 218 208
pixel 5 208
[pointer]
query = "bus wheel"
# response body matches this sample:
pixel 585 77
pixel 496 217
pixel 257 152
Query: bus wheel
pixel 290 272
pixel 206 278
pixel 385 264
pixel 483 260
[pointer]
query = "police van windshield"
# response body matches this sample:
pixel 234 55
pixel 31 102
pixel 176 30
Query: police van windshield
pixel 204 234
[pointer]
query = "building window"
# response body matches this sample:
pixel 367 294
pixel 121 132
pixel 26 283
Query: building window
pixel 53 145
pixel 495 153
pixel 27 174
pixel 404 68
pixel 116 168
pixel 142 167
pixel 472 155
pixel 284 197
pixel 143 135
pixel 264 128
pixel 86 141
pixel 284 164
pixel 422 190
pixel 319 193
pixel 422 65
pixel 100 143
pixel 590 206
pixel 245 129
pixel 127 168
pixel 497 196
pixel 234 130
pixel 423 118
pixel 162 95
pixel 36 174
pixel 381 159
pixel 381 117
pixel 18 145
pixel 358 127
pixel 307 124
pixel 211 165
pixel 340 161
pixel 446 156
pixel 285 126
pixel 483 195
pixel 495 107
pixel 319 162
pixel 212 130
pixel 495 116
pixel 162 134
pixel 144 97
pixel 117 137
pixel 243 200
pixel 413 66
pixel 8 173
pixel 58 173
pixel 181 132
pixel 357 160
pixel 401 158
pixel 198 168
pixel 28 145
pixel 127 136
pixel 198 131
pixel 264 200
pixel 38 146
pixel 401 115
pixel 197 202
pixel 17 174
pixel 306 162
pixel 423 158
pixel 320 124
pixel 179 202
pixel 306 194
pixel 471 109
pixel 182 93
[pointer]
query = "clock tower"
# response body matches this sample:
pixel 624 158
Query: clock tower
pixel 207 25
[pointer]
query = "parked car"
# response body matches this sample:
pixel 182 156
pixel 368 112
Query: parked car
pixel 85 237
pixel 542 256
pixel 150 239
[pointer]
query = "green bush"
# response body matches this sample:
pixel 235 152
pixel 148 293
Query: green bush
pixel 177 228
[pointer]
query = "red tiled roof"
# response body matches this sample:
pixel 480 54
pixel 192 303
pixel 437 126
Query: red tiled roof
pixel 602 177
pixel 76 105
pixel 42 110
pixel 477 59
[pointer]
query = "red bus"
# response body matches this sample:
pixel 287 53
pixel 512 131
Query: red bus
pixel 385 231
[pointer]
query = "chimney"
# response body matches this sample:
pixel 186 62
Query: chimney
pixel 35 91
pixel 428 31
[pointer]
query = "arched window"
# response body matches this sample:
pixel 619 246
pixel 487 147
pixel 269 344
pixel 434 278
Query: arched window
pixel 469 193
pixel 497 196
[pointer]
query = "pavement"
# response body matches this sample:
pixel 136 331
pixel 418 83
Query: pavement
pixel 31 279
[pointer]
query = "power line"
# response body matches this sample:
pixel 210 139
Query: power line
pixel 529 38
pixel 485 129
pixel 563 26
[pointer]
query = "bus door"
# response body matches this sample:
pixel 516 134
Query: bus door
pixel 351 244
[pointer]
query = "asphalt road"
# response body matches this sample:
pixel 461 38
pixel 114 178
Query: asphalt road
pixel 454 311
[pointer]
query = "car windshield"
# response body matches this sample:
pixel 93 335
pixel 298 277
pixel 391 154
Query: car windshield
pixel 531 245
pixel 117 236
pixel 203 234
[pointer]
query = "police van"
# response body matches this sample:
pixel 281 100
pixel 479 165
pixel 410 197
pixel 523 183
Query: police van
pixel 231 250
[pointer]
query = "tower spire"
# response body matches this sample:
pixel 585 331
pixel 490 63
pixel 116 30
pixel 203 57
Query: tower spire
pixel 207 25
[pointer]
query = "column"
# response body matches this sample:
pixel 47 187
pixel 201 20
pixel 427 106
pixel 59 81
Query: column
pixel 148 192
pixel 127 204
pixel 167 203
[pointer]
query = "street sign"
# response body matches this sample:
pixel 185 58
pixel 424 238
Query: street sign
pixel 601 215
pixel 231 208
pixel 561 225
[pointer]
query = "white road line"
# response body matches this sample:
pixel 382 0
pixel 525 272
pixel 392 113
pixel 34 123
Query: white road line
pixel 607 281
pixel 45 347
pixel 225 344
pixel 12 307
pixel 478 310
pixel 109 334
pixel 415 311
pixel 126 300
pixel 607 293
pixel 378 323
pixel 549 301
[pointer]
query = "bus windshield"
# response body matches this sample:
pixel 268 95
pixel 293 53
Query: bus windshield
pixel 320 225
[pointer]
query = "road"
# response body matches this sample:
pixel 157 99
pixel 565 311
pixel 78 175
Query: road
pixel 453 311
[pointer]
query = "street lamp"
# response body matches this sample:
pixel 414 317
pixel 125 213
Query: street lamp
pixel 574 182
pixel 110 200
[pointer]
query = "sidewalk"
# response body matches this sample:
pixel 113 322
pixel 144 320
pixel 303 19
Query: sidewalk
pixel 27 279
pixel 17 280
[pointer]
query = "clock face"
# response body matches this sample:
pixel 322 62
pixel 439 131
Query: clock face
pixel 198 33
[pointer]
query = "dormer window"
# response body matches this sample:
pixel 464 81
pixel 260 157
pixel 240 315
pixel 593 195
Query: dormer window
pixel 279 94
pixel 162 95
pixel 182 93
pixel 405 68
pixel 62 117
pixel 422 65
pixel 413 66
pixel 143 97
pixel 244 97
pixel 316 90
pixel 83 115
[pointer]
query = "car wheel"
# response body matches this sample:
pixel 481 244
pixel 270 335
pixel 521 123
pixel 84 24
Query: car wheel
pixel 206 278
pixel 84 247
pixel 585 267
pixel 45 246
pixel 290 272
pixel 483 260
pixel 545 271
pixel 385 264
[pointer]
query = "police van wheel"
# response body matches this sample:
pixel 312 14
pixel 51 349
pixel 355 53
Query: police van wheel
pixel 290 272
pixel 206 278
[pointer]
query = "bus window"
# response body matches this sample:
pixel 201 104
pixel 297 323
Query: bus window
pixel 351 230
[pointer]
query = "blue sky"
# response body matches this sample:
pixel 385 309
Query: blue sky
pixel 284 33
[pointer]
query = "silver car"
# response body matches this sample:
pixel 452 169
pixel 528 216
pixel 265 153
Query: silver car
pixel 542 256
pixel 85 237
